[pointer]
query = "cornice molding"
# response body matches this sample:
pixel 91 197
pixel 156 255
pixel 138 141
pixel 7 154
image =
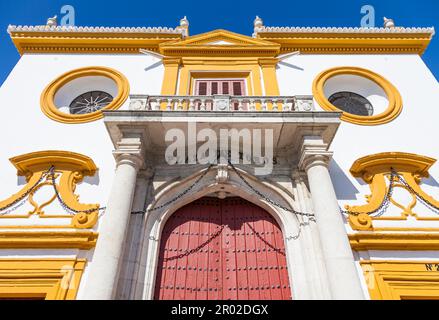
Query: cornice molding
pixel 78 239
pixel 268 29
pixel 348 40
pixel 73 29
pixel 394 241
pixel 267 41
pixel 206 44
pixel 44 39
pixel 42 160
pixel 400 161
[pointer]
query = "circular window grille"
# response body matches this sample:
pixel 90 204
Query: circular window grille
pixel 352 103
pixel 90 102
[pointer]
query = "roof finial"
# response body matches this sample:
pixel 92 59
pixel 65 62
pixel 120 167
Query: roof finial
pixel 52 22
pixel 389 23
pixel 258 23
pixel 184 26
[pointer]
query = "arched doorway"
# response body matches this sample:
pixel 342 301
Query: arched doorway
pixel 215 249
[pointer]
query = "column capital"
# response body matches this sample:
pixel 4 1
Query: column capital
pixel 172 62
pixel 314 152
pixel 130 150
pixel 268 62
pixel 135 160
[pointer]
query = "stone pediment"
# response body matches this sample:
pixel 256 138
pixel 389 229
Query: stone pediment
pixel 220 42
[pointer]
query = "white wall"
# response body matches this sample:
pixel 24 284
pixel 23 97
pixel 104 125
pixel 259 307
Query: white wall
pixel 26 129
pixel 414 131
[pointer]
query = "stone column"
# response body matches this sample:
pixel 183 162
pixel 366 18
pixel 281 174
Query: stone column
pixel 343 277
pixel 102 277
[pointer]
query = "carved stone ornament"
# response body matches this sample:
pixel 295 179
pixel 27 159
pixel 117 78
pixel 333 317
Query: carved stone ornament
pixel 69 170
pixel 221 104
pixel 222 175
pixel 376 170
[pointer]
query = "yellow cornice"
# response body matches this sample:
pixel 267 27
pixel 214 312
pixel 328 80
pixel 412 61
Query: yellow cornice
pixel 204 45
pixel 394 241
pixel 78 239
pixel 42 160
pixel 400 161
pixel 169 61
pixel 265 44
pixel 88 42
pixel 349 43
pixel 268 62
pixel 220 61
pixel 221 35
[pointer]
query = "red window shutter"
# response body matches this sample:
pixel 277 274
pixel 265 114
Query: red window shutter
pixel 214 88
pixel 225 87
pixel 202 88
pixel 237 89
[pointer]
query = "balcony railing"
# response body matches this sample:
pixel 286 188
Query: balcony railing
pixel 221 103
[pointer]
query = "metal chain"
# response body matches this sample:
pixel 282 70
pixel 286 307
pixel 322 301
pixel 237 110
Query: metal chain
pixel 378 212
pixel 432 206
pixel 12 209
pixel 71 210
pixel 189 252
pixel 65 206
pixel 16 203
pixel 386 202
pixel 383 206
pixel 177 197
pixel 266 198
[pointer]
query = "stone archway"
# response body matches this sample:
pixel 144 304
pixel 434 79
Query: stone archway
pixel 299 266
pixel 222 249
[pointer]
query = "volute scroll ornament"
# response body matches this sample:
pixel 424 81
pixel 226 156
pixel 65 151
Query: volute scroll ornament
pixel 384 172
pixel 62 171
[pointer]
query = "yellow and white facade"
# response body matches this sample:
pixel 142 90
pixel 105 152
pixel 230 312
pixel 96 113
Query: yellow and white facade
pixel 58 169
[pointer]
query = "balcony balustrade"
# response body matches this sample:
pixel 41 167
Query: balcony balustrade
pixel 222 103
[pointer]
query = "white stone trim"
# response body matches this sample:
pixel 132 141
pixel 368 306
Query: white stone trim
pixel 73 29
pixel 430 30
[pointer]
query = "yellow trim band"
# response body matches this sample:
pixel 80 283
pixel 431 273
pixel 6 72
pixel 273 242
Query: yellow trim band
pixel 83 240
pixel 349 43
pixel 394 241
pixel 45 279
pixel 402 280
pixel 395 101
pixel 47 97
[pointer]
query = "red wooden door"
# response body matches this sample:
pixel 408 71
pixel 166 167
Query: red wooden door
pixel 216 249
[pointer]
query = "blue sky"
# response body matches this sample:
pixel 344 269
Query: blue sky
pixel 234 15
